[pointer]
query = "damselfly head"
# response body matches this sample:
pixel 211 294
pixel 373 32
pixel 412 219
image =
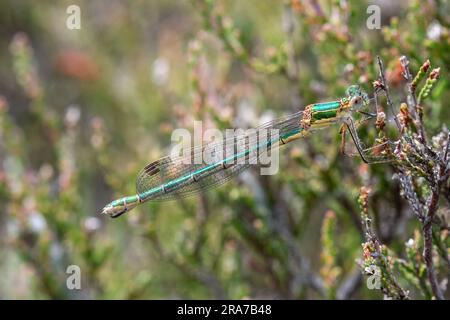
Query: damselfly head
pixel 357 97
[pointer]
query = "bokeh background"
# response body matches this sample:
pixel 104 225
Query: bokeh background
pixel 82 111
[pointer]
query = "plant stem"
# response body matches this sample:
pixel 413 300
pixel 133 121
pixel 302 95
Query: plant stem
pixel 428 238
pixel 428 249
pixel 386 90
pixel 417 109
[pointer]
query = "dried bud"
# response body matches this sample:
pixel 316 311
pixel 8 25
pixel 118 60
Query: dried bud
pixel 378 85
pixel 434 74
pixel 404 116
pixel 426 65
pixel 367 250
pixel 380 123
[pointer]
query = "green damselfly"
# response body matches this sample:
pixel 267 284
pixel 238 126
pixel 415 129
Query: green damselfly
pixel 172 177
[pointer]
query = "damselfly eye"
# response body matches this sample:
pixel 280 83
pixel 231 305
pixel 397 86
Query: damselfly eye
pixel 356 102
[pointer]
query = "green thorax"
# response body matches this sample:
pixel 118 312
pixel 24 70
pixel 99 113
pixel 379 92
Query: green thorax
pixel 326 110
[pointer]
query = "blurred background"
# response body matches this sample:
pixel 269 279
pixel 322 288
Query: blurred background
pixel 82 111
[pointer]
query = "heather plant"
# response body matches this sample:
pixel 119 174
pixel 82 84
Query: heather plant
pixel 82 111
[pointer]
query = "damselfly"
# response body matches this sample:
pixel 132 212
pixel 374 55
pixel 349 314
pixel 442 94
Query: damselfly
pixel 172 177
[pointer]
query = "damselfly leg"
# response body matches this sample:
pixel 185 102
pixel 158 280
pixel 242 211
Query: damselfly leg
pixel 380 153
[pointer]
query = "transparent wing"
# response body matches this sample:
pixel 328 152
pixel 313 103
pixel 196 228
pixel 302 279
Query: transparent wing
pixel 379 153
pixel 206 175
